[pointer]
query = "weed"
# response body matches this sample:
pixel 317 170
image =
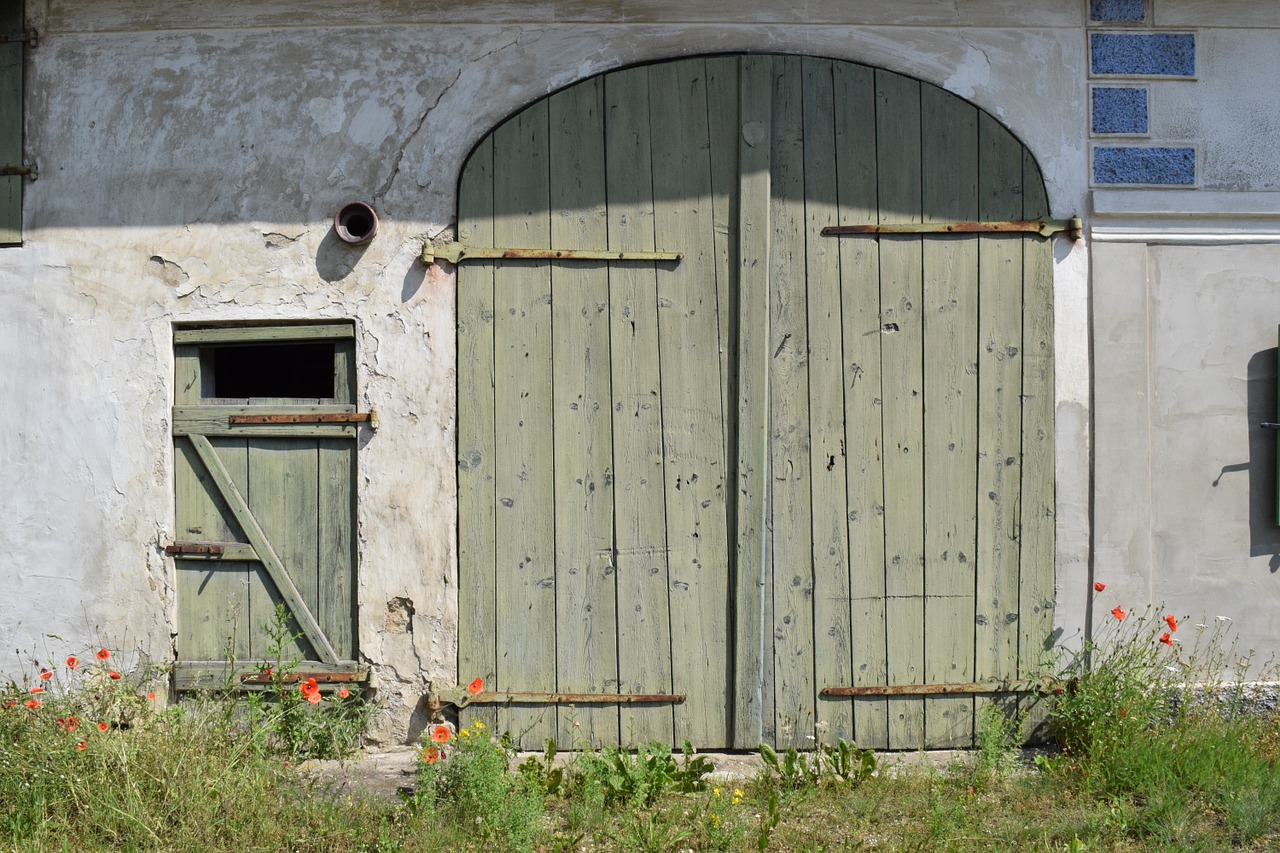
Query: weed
pixel 638 778
pixel 843 763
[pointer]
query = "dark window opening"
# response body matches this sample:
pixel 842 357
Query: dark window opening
pixel 274 370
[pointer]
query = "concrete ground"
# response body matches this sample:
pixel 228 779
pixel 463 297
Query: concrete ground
pixel 385 772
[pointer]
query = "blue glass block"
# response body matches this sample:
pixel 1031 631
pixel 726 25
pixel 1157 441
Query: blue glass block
pixel 1117 10
pixel 1132 165
pixel 1117 110
pixel 1165 54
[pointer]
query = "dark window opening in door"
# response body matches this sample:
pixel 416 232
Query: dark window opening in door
pixel 274 370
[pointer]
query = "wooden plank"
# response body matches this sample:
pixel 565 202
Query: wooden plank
pixel 725 132
pixel 477 502
pixel 523 425
pixel 586 597
pixel 283 496
pixel 644 638
pixel 186 375
pixel 11 123
pixel 212 598
pixel 827 476
pixel 789 446
pixel 898 156
pixel 689 350
pixel 949 157
pixel 856 186
pixel 344 371
pixel 999 410
pixel 264 334
pixel 1037 578
pixel 336 544
pixel 233 495
pixel 755 111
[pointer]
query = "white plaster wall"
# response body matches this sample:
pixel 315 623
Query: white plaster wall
pixel 190 159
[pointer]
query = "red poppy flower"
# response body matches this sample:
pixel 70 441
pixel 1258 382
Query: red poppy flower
pixel 440 734
pixel 73 662
pixel 476 686
pixel 1119 614
pixel 1166 639
pixel 32 704
pixel 310 691
pixel 80 746
pixel 430 755
pixel 45 674
pixel 151 697
pixel 113 675
pixel 102 727
pixel 71 724
pixel 1099 586
pixel 37 689
pixel 103 654
pixel 1172 622
pixel 343 693
pixel 267 672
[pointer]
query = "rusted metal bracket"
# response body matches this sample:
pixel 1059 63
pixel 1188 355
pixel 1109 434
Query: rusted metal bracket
pixel 1043 685
pixel 296 676
pixel 456 253
pixel 203 549
pixel 1072 227
pixel 461 698
pixel 369 417
pixel 27 170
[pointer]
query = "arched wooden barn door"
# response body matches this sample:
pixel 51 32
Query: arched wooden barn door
pixel 736 484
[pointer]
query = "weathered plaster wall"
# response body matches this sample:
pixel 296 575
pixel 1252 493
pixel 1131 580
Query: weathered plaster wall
pixel 192 155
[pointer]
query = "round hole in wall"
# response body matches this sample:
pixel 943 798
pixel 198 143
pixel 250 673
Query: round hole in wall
pixel 355 223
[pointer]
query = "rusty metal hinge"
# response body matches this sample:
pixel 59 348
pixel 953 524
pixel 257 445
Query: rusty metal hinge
pixel 1043 685
pixel 461 697
pixel 456 253
pixel 30 36
pixel 27 170
pixel 325 677
pixel 370 417
pixel 204 549
pixel 1072 227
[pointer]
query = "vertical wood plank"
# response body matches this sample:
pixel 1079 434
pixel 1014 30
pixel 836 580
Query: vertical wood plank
pixel 755 112
pixel 586 621
pixel 949 130
pixel 856 184
pixel 1037 585
pixel 11 53
pixel 644 626
pixel 725 129
pixel 284 497
pixel 999 410
pixel 212 597
pixel 831 597
pixel 692 394
pixel 336 545
pixel 523 426
pixel 789 442
pixel 898 156
pixel 477 502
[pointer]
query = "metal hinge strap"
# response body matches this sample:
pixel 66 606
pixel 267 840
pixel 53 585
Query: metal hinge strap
pixel 29 36
pixel 456 253
pixel 1072 227
pixel 201 549
pixel 26 171
pixel 499 698
pixel 1042 685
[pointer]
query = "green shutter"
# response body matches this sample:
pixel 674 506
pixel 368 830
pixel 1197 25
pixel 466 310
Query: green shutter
pixel 11 123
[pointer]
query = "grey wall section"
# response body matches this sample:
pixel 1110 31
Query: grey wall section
pixel 190 158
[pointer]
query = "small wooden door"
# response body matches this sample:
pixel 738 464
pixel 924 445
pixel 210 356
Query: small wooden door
pixel 265 511
pixel 786 463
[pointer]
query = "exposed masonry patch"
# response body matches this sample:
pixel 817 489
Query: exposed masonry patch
pixel 1133 165
pixel 1143 54
pixel 1119 110
pixel 1117 10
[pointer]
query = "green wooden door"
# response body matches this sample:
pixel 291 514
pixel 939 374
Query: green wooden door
pixel 786 463
pixel 264 511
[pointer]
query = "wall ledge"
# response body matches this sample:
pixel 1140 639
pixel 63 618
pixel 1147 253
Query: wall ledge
pixel 1185 204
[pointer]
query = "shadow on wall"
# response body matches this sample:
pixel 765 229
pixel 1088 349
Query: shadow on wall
pixel 1264 533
